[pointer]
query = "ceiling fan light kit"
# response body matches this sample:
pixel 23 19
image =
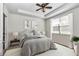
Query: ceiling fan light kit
pixel 43 6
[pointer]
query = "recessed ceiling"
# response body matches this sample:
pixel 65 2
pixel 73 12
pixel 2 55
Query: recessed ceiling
pixel 29 7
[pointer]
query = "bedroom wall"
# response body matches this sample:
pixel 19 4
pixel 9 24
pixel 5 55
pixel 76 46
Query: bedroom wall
pixel 1 29
pixel 76 22
pixel 48 28
pixel 16 23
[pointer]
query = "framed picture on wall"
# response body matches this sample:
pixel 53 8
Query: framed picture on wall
pixel 34 24
pixel 28 24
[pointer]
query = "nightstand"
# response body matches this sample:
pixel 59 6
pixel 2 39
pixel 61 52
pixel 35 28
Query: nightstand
pixel 14 43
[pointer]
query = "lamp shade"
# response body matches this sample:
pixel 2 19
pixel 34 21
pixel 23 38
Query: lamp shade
pixel 15 33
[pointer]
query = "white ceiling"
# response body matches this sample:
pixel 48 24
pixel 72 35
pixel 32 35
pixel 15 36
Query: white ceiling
pixel 30 8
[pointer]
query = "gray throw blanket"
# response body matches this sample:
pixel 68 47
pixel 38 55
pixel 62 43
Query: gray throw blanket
pixel 34 46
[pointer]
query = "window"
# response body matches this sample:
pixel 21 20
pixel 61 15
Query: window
pixel 62 24
pixel 55 24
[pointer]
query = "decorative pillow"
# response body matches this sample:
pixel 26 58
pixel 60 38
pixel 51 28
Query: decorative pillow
pixel 36 32
pixel 52 46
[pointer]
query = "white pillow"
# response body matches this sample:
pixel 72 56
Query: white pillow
pixel 22 35
pixel 36 32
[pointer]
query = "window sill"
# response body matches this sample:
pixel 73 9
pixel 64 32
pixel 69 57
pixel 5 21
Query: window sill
pixel 61 33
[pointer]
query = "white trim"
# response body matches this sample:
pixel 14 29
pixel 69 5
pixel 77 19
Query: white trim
pixel 30 13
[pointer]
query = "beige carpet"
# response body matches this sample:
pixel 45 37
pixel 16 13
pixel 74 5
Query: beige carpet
pixel 61 51
pixel 13 52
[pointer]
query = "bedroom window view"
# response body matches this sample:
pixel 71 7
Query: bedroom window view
pixel 40 29
pixel 62 25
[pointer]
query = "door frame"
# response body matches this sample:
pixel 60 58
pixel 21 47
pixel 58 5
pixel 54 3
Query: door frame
pixel 4 17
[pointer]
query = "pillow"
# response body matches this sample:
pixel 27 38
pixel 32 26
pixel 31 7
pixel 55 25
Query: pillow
pixel 36 32
pixel 31 36
pixel 52 46
pixel 21 36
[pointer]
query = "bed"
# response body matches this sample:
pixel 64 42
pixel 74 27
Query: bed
pixel 35 44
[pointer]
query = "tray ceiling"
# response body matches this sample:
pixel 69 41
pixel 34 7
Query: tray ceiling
pixel 29 8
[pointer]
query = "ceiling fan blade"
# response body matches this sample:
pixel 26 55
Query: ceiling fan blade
pixel 48 7
pixel 38 5
pixel 46 4
pixel 38 9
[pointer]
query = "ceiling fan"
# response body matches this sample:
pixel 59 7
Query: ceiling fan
pixel 43 6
